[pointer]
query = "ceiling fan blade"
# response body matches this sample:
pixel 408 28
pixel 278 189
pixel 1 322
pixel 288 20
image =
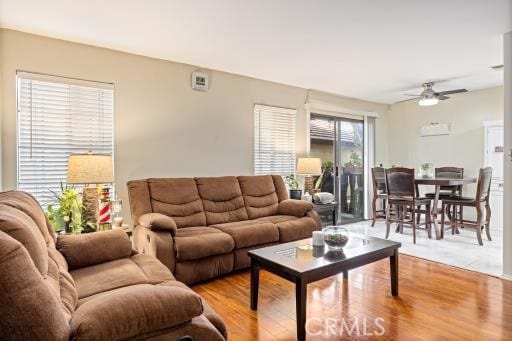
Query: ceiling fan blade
pixel 449 92
pixel 442 97
pixel 407 100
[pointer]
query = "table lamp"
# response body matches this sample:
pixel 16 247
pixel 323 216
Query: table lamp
pixel 309 166
pixel 90 169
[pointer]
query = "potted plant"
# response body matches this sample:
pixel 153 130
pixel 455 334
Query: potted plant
pixel 427 170
pixel 327 165
pixel 293 187
pixel 355 160
pixel 65 213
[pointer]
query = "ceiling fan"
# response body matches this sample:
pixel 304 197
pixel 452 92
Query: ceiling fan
pixel 429 97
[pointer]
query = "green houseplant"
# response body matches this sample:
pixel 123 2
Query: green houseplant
pixel 355 160
pixel 293 187
pixel 65 212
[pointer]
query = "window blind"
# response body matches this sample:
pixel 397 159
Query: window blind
pixel 274 140
pixel 58 117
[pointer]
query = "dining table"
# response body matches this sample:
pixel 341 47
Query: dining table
pixel 438 183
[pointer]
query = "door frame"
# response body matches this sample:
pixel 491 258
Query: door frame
pixel 507 162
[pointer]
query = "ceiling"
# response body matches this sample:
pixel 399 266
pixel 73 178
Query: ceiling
pixel 373 50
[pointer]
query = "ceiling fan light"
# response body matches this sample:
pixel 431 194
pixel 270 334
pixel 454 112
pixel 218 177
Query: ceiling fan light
pixel 428 101
pixel 428 96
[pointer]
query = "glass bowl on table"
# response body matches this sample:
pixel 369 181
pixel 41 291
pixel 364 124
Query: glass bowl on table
pixel 336 237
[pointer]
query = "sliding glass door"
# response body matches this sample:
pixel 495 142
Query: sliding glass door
pixel 339 143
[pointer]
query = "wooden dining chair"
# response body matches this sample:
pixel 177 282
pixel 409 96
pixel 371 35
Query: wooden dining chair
pixel 483 189
pixel 402 194
pixel 379 193
pixel 449 191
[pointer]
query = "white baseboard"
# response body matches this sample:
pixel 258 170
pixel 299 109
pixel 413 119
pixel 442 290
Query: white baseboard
pixel 507 277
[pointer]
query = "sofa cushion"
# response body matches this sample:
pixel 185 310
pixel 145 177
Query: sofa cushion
pixel 140 198
pixel 281 190
pixel 197 270
pixel 297 208
pixel 295 229
pixel 201 241
pixel 31 310
pixel 94 248
pixel 22 227
pixel 27 204
pixel 259 194
pixel 133 312
pixel 222 199
pixel 61 282
pixel 178 199
pixel 138 269
pixel 277 218
pixel 250 232
pixel 210 314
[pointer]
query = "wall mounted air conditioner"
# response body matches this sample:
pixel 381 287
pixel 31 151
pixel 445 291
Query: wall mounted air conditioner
pixel 435 128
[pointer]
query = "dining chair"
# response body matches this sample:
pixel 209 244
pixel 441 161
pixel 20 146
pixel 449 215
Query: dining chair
pixel 481 197
pixel 379 193
pixel 402 194
pixel 449 191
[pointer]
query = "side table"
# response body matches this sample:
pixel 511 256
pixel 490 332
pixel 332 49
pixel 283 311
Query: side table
pixel 327 210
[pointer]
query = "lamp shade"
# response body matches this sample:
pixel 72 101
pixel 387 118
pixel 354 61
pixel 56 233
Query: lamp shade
pixel 309 166
pixel 90 169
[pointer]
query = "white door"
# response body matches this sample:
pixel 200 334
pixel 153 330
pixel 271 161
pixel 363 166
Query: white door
pixel 494 153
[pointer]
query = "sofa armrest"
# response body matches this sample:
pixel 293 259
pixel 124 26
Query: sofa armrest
pixel 94 248
pixel 158 222
pixel 314 215
pixel 297 208
pixel 134 312
pixel 159 244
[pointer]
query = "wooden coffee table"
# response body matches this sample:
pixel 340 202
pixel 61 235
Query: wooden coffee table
pixel 302 263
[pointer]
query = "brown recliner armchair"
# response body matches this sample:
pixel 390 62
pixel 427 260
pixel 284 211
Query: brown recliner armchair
pixel 201 228
pixel 88 287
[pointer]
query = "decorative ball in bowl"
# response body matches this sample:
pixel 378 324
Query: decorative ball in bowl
pixel 336 237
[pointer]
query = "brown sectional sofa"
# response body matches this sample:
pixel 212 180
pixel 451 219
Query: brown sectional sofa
pixel 201 228
pixel 88 287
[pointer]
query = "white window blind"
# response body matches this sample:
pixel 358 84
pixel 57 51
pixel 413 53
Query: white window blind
pixel 274 140
pixel 58 117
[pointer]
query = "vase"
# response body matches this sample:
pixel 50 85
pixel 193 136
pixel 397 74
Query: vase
pixel 296 194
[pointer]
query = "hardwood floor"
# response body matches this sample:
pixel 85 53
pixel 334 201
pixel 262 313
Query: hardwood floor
pixel 435 302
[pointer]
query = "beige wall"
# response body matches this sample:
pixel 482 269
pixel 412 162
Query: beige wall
pixel 162 127
pixel 464 147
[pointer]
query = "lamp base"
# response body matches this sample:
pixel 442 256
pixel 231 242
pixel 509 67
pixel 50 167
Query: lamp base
pixel 90 202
